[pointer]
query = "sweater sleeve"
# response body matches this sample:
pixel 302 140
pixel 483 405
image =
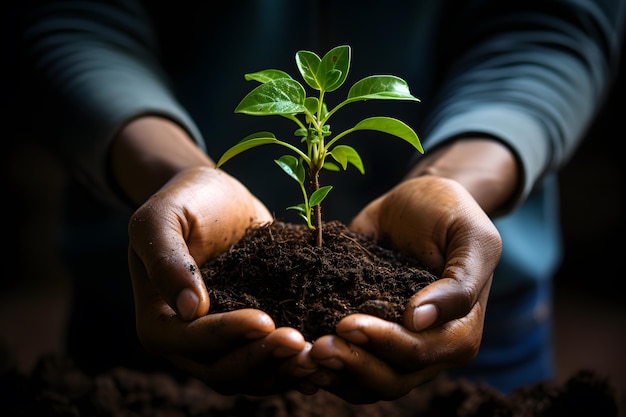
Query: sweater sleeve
pixel 531 74
pixel 94 67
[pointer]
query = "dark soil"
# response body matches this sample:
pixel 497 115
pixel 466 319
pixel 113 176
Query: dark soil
pixel 278 269
pixel 59 388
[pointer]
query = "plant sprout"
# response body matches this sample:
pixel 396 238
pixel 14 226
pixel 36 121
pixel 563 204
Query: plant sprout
pixel 279 94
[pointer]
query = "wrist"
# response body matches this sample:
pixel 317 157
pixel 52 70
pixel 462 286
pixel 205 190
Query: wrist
pixel 485 167
pixel 147 152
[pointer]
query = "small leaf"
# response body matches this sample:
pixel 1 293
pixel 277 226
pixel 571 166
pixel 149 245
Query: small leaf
pixel 391 126
pixel 302 212
pixel 292 166
pixel 300 208
pixel 266 75
pixel 301 132
pixel 313 138
pixel 308 64
pixel 380 87
pixel 334 68
pixel 311 103
pixel 346 154
pixel 331 166
pixel 319 195
pixel 250 141
pixel 280 96
pixel 323 112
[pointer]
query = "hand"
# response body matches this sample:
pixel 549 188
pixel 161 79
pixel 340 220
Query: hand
pixel 199 213
pixel 439 222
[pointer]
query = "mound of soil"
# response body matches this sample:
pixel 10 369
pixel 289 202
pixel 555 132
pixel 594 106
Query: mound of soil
pixel 277 268
pixel 58 387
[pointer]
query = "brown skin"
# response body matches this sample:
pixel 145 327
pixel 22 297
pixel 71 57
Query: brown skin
pixel 439 214
pixel 189 212
pixel 185 220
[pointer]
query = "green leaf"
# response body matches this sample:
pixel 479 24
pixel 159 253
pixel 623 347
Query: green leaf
pixel 331 166
pixel 250 141
pixel 334 68
pixel 266 75
pixel 302 212
pixel 300 208
pixel 391 126
pixel 301 132
pixel 319 195
pixel 311 103
pixel 308 64
pixel 292 166
pixel 280 96
pixel 380 87
pixel 258 135
pixel 346 154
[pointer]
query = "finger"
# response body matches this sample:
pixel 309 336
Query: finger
pixel 183 225
pixel 444 300
pixel 472 248
pixel 360 377
pixel 301 364
pixel 255 368
pixel 160 329
pixel 215 332
pixel 450 344
pixel 159 249
pixel 390 341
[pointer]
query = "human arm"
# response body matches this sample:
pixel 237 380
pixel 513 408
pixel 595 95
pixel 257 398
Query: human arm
pixel 523 118
pixel 198 212
pixel 434 216
pixel 117 124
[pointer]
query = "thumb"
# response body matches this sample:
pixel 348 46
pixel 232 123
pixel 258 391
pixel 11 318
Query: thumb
pixel 162 256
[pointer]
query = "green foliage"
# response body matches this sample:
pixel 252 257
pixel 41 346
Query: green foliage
pixel 280 94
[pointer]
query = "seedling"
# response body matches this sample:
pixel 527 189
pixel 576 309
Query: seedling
pixel 279 94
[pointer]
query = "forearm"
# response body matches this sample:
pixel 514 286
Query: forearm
pixel 95 68
pixel 149 151
pixel 485 167
pixel 524 84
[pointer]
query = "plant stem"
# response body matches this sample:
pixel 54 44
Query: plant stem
pixel 317 210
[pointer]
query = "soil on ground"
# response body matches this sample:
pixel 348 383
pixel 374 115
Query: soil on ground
pixel 58 387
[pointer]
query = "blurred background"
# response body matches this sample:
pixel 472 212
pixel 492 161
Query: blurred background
pixel 590 305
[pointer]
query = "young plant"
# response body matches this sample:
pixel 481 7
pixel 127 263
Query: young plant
pixel 279 94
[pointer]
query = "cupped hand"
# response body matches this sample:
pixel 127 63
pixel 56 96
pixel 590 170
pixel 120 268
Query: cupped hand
pixel 436 220
pixel 198 214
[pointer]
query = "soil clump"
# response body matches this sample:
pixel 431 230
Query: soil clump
pixel 278 269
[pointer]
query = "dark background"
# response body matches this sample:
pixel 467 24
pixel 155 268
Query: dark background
pixel 590 326
pixel 590 315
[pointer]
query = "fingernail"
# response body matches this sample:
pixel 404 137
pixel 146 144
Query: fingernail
pixel 187 304
pixel 424 316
